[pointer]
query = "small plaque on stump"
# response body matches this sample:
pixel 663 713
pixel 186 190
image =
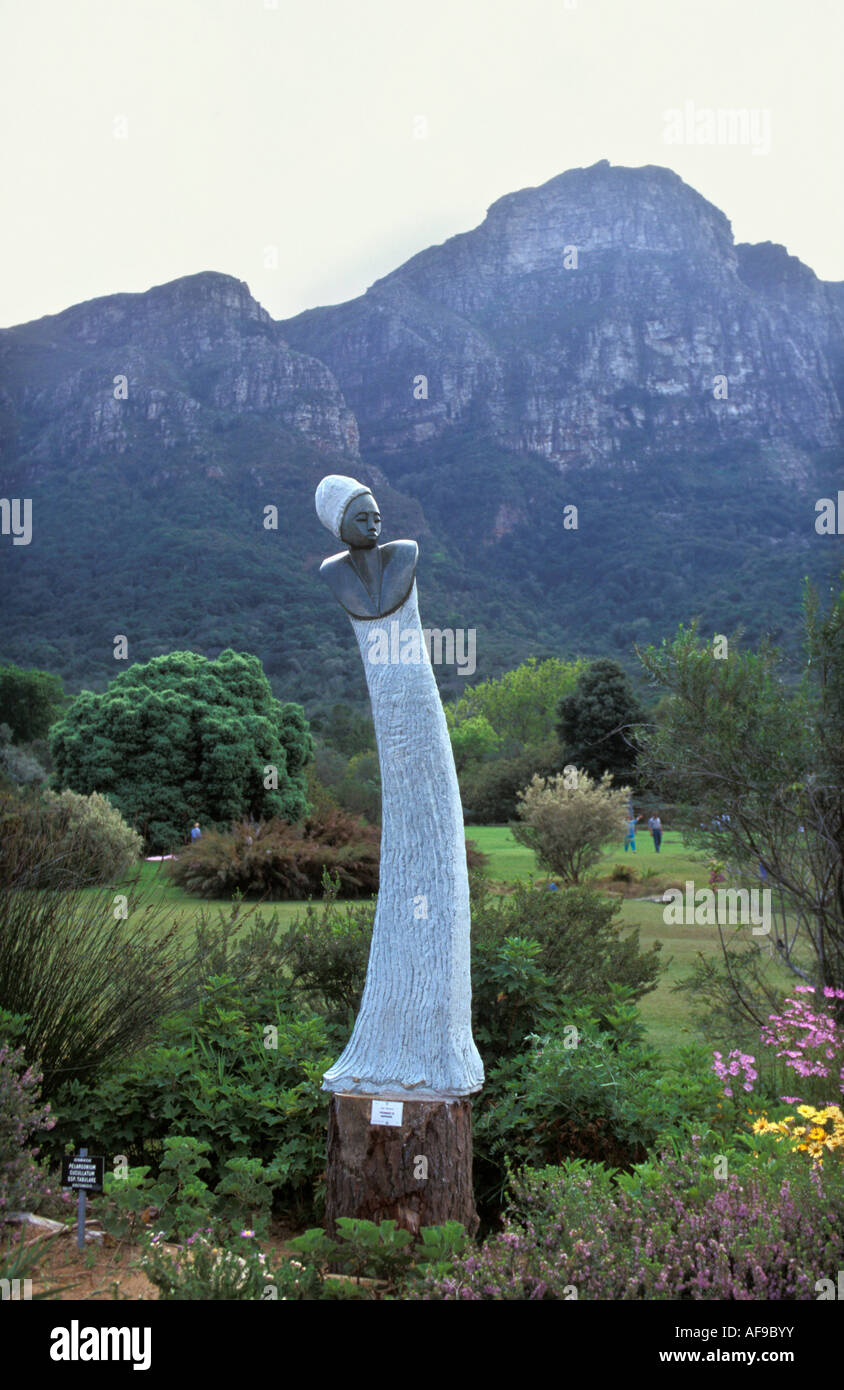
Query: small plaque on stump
pixel 386 1112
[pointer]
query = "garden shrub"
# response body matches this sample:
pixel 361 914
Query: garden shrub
pixel 567 819
pixel 22 1118
pixel 63 839
pixel 673 1233
pixel 239 1073
pixel 575 1093
pixel 277 860
pixel 584 947
pixel 512 996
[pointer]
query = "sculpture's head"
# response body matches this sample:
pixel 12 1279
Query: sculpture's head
pixel 361 524
pixel 348 509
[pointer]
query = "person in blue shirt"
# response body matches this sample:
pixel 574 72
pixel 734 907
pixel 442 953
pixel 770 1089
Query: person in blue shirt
pixel 196 832
pixel 630 839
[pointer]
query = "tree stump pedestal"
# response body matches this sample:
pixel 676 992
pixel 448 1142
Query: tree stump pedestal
pixel 417 1172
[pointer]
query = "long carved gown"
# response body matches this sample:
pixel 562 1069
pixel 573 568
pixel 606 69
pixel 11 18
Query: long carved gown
pixel 413 1034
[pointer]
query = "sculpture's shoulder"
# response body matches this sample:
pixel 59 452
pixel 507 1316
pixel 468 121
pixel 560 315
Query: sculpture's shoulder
pixel 400 553
pixel 331 562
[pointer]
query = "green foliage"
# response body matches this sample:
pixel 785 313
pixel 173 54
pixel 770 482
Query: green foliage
pixel 276 860
pixel 181 1199
pixel 520 706
pixel 473 739
pixel 240 1071
pixel 347 730
pixel 30 701
pixel 581 1093
pixel 585 949
pixel 182 738
pixel 512 995
pixel 489 789
pixel 596 720
pixel 758 766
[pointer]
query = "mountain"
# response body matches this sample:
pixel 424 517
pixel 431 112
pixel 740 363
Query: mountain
pixel 597 352
pixel 585 322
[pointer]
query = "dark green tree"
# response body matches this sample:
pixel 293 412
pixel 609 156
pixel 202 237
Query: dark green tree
pixel 595 723
pixel 183 738
pixel 29 702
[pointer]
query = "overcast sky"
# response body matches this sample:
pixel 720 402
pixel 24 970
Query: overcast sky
pixel 147 139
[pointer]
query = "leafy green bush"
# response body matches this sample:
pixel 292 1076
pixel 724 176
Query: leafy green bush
pixel 512 995
pixel 576 1093
pixel 584 948
pixel 238 1072
pixel 180 1197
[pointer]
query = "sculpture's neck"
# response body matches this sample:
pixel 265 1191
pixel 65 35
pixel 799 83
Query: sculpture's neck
pixel 368 567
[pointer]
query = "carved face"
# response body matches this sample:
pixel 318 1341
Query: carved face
pixel 362 523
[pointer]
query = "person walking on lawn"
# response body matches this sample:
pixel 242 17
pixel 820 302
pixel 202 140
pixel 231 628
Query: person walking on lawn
pixel 630 839
pixel 656 830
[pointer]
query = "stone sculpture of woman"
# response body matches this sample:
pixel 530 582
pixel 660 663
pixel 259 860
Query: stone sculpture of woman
pixel 413 1035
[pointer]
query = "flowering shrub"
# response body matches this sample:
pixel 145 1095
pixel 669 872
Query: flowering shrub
pixel 376 1260
pixel 205 1268
pixel 810 1042
pixel 674 1234
pixel 738 1062
pixel 21 1117
pixel 823 1130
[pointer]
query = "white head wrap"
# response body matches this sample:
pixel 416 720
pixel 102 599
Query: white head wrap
pixel 333 497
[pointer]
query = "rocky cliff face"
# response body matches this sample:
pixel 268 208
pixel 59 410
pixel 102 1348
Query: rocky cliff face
pixel 194 354
pixel 605 316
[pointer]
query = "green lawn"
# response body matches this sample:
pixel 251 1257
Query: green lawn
pixel 510 861
pixel 665 1013
pixel 157 886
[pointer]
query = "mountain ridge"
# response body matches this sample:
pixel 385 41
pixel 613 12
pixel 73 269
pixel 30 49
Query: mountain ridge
pixel 154 429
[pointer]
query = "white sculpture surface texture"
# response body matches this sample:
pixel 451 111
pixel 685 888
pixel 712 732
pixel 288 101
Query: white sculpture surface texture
pixel 413 1035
